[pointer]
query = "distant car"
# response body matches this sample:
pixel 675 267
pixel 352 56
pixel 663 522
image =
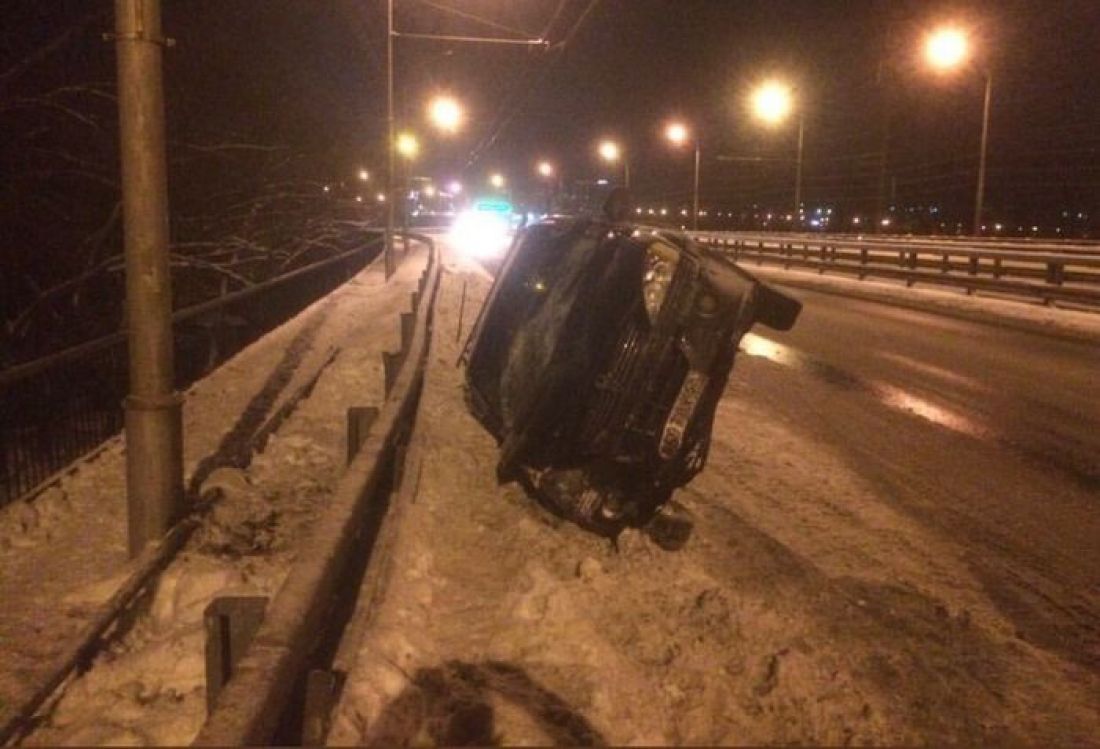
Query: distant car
pixel 485 229
pixel 599 359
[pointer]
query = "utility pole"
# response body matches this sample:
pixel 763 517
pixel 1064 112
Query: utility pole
pixel 154 433
pixel 798 169
pixel 695 189
pixel 979 198
pixel 391 145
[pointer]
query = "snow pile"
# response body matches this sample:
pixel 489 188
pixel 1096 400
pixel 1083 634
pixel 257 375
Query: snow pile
pixel 1027 316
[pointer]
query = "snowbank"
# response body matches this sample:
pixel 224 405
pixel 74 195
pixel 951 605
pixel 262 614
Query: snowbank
pixel 1026 316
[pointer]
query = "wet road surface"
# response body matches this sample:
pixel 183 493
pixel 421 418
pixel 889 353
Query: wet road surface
pixel 988 436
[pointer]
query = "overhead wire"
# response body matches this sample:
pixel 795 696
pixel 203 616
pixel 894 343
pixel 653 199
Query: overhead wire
pixel 530 84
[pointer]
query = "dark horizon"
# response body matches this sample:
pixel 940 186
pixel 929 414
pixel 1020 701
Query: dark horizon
pixel 310 76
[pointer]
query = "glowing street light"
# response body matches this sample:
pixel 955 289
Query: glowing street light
pixel 407 145
pixel 496 180
pixel 445 113
pixel 545 169
pixel 946 49
pixel 455 187
pixel 612 153
pixel 772 102
pixel 678 134
pixel 364 175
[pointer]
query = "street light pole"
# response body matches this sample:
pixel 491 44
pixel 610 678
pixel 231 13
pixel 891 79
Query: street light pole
pixel 980 197
pixel 798 169
pixel 695 190
pixel 391 130
pixel 154 433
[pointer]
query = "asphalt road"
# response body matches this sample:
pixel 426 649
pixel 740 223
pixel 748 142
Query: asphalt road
pixel 985 436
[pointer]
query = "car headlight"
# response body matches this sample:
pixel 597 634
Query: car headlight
pixel 661 260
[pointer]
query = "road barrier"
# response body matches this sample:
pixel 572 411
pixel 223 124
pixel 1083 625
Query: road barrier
pixel 301 629
pixel 1048 273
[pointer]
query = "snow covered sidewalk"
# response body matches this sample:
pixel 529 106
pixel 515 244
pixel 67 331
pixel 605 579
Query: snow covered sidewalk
pixel 805 608
pixel 1026 316
pixel 64 554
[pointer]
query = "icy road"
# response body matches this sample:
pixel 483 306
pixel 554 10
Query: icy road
pixel 895 541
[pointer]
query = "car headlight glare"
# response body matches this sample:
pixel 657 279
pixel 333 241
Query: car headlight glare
pixel 661 260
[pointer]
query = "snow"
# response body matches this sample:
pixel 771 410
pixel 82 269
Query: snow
pixel 804 608
pixel 1029 316
pixel 64 553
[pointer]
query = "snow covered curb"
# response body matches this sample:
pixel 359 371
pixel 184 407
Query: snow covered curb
pixel 1031 318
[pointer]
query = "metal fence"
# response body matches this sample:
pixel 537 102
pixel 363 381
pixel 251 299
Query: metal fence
pixel 55 409
pixel 1047 273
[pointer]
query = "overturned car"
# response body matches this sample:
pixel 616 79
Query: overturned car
pixel 599 358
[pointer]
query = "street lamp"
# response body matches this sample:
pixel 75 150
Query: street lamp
pixel 455 187
pixel 772 102
pixel 407 145
pixel 947 49
pixel 364 175
pixel 546 171
pixel 611 152
pixel 678 134
pixel 496 180
pixel 445 113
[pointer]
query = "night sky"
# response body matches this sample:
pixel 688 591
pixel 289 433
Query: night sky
pixel 309 73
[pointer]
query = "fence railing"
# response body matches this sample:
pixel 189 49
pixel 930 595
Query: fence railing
pixel 1045 273
pixel 59 407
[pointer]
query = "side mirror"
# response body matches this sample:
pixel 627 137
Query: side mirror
pixel 774 309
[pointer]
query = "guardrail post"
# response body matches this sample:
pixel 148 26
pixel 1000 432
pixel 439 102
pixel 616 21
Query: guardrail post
pixel 1056 273
pixel 972 269
pixel 231 622
pixel 408 323
pixel 360 420
pixel 862 263
pixel 391 365
pixel 996 267
pixel 945 266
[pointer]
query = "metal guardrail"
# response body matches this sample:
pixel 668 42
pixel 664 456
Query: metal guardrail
pixel 1048 274
pixel 55 409
pixel 1068 246
pixel 305 621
